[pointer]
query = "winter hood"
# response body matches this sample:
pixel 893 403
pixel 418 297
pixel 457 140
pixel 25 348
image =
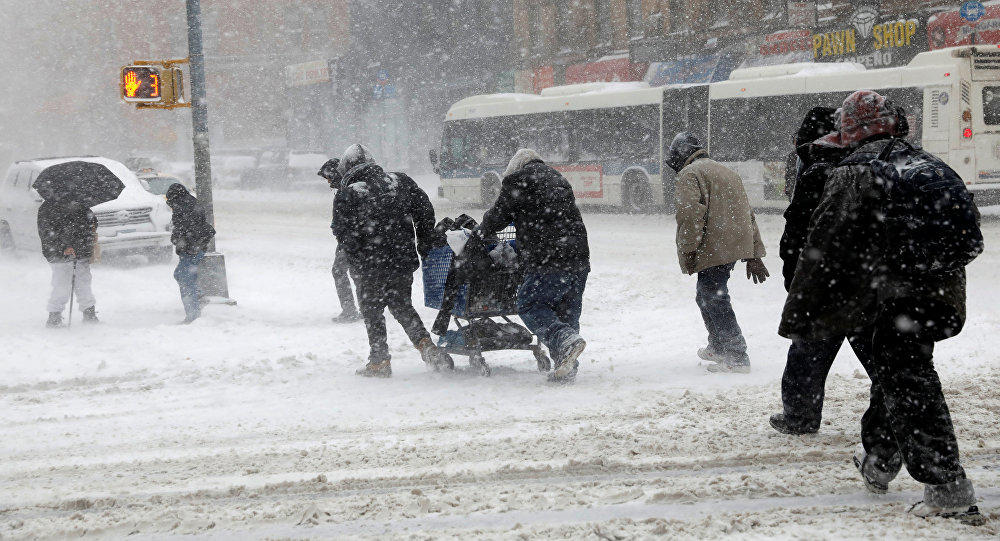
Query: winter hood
pixel 354 157
pixel 522 158
pixel 178 196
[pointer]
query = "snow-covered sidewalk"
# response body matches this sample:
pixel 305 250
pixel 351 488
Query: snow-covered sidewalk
pixel 250 423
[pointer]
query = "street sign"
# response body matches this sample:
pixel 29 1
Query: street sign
pixel 972 11
pixel 141 84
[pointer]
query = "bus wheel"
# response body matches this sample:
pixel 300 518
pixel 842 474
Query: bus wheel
pixel 6 240
pixel 636 195
pixel 490 190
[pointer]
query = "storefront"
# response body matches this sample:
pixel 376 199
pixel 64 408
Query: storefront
pixel 949 29
pixel 784 47
pixel 310 91
pixel 696 69
pixel 609 69
pixel 871 38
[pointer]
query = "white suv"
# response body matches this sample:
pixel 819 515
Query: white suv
pixel 137 221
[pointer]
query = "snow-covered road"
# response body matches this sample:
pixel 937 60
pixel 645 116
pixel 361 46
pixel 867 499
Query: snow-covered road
pixel 251 424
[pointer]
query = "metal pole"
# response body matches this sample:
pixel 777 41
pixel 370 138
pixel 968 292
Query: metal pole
pixel 199 114
pixel 212 279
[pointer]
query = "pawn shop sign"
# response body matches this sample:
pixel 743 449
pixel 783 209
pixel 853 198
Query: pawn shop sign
pixel 141 84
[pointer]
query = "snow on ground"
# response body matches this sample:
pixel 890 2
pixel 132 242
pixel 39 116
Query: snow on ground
pixel 251 424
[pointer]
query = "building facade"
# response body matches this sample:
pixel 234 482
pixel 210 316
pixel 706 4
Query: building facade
pixel 408 62
pixel 698 41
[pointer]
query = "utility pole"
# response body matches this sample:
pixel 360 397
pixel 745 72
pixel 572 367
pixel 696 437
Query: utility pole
pixel 212 276
pixel 199 113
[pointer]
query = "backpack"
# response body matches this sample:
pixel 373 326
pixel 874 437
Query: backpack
pixel 932 223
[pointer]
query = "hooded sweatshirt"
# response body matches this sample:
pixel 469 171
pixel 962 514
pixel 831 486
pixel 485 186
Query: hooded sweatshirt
pixel 539 202
pixel 191 231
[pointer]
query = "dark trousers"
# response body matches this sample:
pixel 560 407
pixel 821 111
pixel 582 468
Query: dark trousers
pixel 550 306
pixel 908 413
pixel 375 294
pixel 803 383
pixel 712 296
pixel 342 281
pixel 186 275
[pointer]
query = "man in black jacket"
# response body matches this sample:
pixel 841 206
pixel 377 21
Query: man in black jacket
pixel 375 217
pixel 341 270
pixel 809 361
pixel 555 252
pixel 69 240
pixel 191 236
pixel 846 283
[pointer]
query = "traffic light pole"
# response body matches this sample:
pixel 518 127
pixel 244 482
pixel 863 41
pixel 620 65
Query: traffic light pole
pixel 199 113
pixel 212 272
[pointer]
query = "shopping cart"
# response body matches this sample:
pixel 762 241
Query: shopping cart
pixel 472 289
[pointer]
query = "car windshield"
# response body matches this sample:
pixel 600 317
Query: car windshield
pixel 159 185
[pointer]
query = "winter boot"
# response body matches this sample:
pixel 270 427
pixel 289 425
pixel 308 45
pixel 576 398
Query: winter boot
pixel 708 353
pixel 781 423
pixel 347 316
pixel 90 315
pixel 951 500
pixel 874 472
pixel 55 320
pixel 376 370
pixel 724 365
pixel 434 356
pixel 567 363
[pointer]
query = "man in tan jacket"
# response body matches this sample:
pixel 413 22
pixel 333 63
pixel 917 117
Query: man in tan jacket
pixel 715 229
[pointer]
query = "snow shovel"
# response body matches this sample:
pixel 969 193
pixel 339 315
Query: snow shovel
pixel 72 293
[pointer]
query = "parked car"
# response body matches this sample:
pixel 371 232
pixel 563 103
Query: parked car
pixel 137 221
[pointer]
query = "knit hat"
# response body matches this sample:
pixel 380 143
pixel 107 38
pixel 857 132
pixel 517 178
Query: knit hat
pixel 864 115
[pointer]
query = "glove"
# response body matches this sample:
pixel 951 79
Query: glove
pixel 756 271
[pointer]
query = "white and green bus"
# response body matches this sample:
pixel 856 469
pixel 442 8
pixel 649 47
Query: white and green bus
pixel 609 139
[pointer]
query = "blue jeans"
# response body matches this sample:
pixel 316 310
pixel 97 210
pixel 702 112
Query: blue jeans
pixel 186 275
pixel 550 305
pixel 724 333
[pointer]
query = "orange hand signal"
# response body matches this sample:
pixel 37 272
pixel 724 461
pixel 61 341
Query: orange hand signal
pixel 131 84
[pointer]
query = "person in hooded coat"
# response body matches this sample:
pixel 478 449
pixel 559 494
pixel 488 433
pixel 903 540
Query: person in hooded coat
pixel 69 244
pixel 552 240
pixel 341 269
pixel 191 237
pixel 808 362
pixel 846 284
pixel 715 228
pixel 385 224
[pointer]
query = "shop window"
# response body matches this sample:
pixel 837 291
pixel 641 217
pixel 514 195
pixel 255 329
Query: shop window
pixel 603 27
pixel 676 11
pixel 635 19
pixel 567 30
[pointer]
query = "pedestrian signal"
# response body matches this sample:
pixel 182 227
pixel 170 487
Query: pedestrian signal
pixel 141 84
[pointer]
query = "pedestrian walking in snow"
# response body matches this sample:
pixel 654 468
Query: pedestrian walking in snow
pixel 715 228
pixel 191 236
pixel 809 361
pixel 884 263
pixel 383 221
pixel 341 269
pixel 69 243
pixel 555 252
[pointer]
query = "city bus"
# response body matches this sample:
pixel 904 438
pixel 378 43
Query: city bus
pixel 610 139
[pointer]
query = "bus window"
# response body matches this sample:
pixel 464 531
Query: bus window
pixel 991 105
pixel 547 135
pixel 453 148
pixel 734 133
